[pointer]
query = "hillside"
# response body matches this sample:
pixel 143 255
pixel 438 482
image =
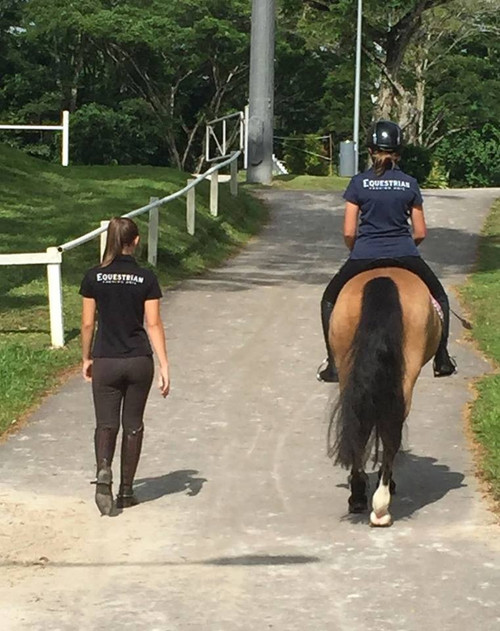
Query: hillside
pixel 45 205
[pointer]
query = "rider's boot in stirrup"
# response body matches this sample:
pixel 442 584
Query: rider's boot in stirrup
pixel 104 441
pixel 443 364
pixel 131 451
pixel 327 372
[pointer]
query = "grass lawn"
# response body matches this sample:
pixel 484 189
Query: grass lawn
pixel 46 205
pixel 482 296
pixel 311 182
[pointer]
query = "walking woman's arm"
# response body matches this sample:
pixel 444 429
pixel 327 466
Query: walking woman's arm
pixel 157 336
pixel 87 334
pixel 418 224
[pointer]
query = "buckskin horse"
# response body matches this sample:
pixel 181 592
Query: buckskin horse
pixel 383 329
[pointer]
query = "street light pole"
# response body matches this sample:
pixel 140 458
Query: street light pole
pixel 261 93
pixel 357 84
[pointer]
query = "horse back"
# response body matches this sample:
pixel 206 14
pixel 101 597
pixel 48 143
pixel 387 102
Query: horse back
pixel 421 324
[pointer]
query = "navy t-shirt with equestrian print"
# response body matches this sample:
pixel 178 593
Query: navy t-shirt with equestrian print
pixel 120 290
pixel 385 202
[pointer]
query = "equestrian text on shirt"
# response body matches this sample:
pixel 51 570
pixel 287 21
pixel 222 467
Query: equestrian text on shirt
pixel 386 185
pixel 122 279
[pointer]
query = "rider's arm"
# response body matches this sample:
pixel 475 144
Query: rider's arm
pixel 350 224
pixel 418 224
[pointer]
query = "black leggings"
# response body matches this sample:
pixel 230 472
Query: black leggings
pixel 120 387
pixel 414 264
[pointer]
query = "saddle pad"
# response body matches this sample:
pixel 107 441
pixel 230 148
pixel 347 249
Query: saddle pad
pixel 437 307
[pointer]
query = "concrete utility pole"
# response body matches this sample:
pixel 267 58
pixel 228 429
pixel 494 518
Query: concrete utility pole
pixel 357 87
pixel 261 97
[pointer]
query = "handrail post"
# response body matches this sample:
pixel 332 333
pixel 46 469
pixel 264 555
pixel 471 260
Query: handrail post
pixel 65 139
pixel 214 193
pixel 103 238
pixel 55 300
pixel 190 209
pixel 233 185
pixel 153 233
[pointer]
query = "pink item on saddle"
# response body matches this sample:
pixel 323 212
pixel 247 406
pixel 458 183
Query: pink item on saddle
pixel 437 307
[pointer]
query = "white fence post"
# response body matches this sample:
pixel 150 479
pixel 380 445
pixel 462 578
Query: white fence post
pixel 233 185
pixel 214 194
pixel 103 239
pixel 55 300
pixel 190 209
pixel 65 139
pixel 153 233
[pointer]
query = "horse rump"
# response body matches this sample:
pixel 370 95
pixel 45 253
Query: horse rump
pixel 371 401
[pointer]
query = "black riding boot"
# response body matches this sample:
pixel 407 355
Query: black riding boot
pixel 131 452
pixel 443 364
pixel 327 372
pixel 104 444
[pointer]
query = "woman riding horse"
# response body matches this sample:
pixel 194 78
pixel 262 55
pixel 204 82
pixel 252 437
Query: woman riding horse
pixel 383 199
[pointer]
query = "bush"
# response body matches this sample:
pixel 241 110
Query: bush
pixel 416 161
pixel 305 155
pixel 102 135
pixel 438 176
pixel 472 156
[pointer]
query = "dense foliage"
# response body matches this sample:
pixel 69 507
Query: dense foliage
pixel 141 77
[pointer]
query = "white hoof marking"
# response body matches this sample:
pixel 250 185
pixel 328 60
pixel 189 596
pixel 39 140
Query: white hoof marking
pixel 380 522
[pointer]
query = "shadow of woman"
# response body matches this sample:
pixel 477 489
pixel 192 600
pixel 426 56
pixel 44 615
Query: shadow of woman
pixel 420 481
pixel 149 489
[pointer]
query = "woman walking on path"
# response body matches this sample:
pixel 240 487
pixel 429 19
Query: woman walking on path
pixel 382 200
pixel 120 364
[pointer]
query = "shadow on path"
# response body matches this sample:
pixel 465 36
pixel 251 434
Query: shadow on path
pixel 263 559
pixel 245 560
pixel 149 489
pixel 446 250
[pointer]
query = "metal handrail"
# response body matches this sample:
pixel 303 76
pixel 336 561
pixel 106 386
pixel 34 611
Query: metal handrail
pixel 218 120
pixel 139 211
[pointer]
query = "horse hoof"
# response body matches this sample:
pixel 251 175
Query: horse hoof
pixel 384 521
pixel 358 506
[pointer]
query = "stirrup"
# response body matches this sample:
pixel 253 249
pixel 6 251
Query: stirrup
pixel 327 373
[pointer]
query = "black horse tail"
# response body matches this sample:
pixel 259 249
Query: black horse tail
pixel 372 399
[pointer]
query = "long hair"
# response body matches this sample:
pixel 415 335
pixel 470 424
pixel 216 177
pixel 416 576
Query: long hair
pixel 383 160
pixel 121 233
pixel 372 399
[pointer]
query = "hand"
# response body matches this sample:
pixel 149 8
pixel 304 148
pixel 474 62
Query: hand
pixel 164 382
pixel 87 369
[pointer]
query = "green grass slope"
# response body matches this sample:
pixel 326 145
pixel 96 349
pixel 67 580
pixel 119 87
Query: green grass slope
pixel 45 205
pixel 311 182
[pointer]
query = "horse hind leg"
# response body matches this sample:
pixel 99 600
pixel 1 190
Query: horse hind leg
pixel 358 500
pixel 358 480
pixel 380 515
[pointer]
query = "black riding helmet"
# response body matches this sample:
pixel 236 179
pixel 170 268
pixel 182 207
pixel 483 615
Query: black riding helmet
pixel 385 136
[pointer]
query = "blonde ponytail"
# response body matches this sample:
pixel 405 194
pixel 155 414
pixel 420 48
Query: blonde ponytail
pixel 383 160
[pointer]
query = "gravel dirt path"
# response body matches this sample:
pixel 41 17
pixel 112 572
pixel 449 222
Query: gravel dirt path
pixel 242 523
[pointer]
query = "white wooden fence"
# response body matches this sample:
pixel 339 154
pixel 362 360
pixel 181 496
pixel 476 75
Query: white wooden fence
pixel 52 258
pixel 64 127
